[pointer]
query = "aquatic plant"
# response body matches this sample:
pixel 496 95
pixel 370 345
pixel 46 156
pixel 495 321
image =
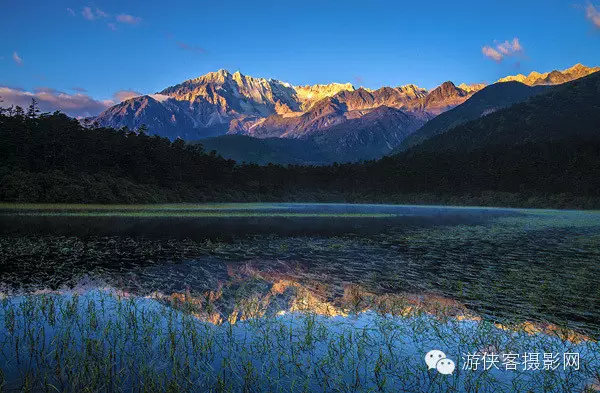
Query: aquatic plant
pixel 104 340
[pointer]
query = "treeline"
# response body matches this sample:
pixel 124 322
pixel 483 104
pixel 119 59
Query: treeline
pixel 54 158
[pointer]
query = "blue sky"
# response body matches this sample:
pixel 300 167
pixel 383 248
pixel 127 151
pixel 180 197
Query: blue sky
pixel 80 55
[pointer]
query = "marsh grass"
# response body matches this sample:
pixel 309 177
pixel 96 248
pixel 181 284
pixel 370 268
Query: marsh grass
pixel 105 340
pixel 200 214
pixel 209 210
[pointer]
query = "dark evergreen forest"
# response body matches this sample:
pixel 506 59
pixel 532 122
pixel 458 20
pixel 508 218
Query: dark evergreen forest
pixel 51 158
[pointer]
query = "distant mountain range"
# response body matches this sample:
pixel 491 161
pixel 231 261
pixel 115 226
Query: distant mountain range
pixel 337 121
pixel 552 78
pixel 224 103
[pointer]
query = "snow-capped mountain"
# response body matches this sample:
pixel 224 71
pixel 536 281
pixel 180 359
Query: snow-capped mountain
pixel 553 77
pixel 221 102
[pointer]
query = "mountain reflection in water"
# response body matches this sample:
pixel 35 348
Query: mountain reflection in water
pixel 531 265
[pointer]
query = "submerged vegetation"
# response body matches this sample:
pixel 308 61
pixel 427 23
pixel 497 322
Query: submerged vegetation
pixel 103 340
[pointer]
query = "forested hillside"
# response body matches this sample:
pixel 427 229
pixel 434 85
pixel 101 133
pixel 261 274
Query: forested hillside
pixel 242 148
pixel 53 158
pixel 564 114
pixel 486 101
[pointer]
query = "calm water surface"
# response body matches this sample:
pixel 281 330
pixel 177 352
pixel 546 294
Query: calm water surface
pixel 540 265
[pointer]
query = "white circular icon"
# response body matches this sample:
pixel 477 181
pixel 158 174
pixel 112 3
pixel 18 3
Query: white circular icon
pixel 445 366
pixel 437 359
pixel 433 357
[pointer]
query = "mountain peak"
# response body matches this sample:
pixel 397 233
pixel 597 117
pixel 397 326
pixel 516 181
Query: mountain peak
pixel 411 88
pixel 472 88
pixel 220 73
pixel 310 94
pixel 445 90
pixel 553 77
pixel 238 75
pixel 447 84
pixel 240 78
pixel 445 96
pixel 332 85
pixel 213 76
pixel 221 102
pixel 577 67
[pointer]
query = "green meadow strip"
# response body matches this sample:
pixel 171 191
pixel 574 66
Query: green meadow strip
pixel 196 214
pixel 74 206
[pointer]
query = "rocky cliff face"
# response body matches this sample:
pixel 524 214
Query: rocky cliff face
pixel 552 78
pixel 308 95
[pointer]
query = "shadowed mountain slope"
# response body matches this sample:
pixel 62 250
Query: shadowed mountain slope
pixel 568 111
pixel 484 102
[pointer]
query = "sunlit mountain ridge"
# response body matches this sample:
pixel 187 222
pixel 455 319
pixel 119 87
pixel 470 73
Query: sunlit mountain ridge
pixel 337 121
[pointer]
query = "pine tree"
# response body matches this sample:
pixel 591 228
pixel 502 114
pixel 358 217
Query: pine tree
pixel 19 112
pixel 143 129
pixel 33 109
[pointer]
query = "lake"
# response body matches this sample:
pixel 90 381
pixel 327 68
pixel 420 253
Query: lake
pixel 302 297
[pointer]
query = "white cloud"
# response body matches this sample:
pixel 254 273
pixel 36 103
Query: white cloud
pixel 190 48
pixel 50 100
pixel 593 15
pixel 492 53
pixel 89 14
pixel 503 49
pixel 78 104
pixel 129 19
pixel 17 59
pixel 94 14
pixel 510 48
pixel 101 14
pixel 70 11
pixel 123 95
